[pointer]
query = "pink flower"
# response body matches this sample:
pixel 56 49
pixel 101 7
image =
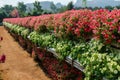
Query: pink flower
pixel 3 58
pixel 77 32
pixel 118 41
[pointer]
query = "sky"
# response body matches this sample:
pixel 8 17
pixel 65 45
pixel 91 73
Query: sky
pixel 14 2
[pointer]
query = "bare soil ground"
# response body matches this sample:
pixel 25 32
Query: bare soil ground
pixel 19 65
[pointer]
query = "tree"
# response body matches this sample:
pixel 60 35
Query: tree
pixel 53 7
pixel 21 9
pixel 109 7
pixel 70 5
pixel 118 7
pixel 46 12
pixel 7 10
pixel 15 13
pixel 2 15
pixel 84 3
pixel 62 9
pixel 96 8
pixel 37 7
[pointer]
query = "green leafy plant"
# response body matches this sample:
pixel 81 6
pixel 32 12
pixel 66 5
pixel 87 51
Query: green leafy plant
pixel 25 33
pixel 99 66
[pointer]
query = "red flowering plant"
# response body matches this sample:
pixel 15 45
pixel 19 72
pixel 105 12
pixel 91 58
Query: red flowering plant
pixel 43 23
pixel 19 21
pixel 49 22
pixel 83 29
pixel 100 25
pixel 37 20
pixel 60 70
pixel 40 24
pixel 25 22
pixel 32 22
pixel 114 18
pixel 15 21
pixel 74 23
pixel 105 25
pixel 56 21
pixel 61 24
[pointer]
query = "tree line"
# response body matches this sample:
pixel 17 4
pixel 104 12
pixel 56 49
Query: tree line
pixel 21 10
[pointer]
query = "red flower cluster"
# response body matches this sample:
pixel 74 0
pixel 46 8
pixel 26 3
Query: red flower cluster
pixel 101 24
pixel 105 25
pixel 2 58
pixel 56 69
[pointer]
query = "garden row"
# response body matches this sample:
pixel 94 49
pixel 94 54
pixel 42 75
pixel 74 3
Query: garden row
pixel 88 37
pixel 56 68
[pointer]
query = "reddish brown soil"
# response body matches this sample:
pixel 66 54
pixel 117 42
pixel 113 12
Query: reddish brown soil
pixel 19 65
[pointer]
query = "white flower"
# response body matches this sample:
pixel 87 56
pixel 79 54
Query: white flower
pixel 115 71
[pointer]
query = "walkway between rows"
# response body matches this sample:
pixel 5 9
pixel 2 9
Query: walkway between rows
pixel 19 65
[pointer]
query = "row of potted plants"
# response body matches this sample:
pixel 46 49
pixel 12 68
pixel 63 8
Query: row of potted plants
pixel 100 24
pixel 100 61
pixel 83 35
pixel 59 71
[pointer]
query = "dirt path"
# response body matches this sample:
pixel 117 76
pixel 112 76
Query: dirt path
pixel 18 65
